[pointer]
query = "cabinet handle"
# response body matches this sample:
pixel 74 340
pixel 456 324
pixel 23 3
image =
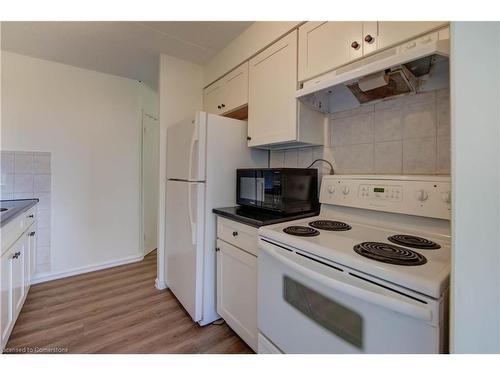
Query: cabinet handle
pixel 355 45
pixel 219 107
pixel 16 255
pixel 223 105
pixel 369 39
pixel 217 249
pixel 30 216
pixel 249 138
pixel 235 233
pixel 31 234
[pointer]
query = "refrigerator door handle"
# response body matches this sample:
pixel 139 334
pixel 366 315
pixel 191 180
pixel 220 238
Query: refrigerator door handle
pixel 192 223
pixel 194 141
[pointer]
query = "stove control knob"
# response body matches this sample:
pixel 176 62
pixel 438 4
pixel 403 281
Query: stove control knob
pixel 331 189
pixel 446 197
pixel 422 195
pixel 345 190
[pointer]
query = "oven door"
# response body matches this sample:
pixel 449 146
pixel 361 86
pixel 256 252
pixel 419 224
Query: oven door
pixel 260 188
pixel 310 306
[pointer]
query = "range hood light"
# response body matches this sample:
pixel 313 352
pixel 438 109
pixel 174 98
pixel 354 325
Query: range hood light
pixel 373 81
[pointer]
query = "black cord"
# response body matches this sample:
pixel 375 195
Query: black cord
pixel 332 171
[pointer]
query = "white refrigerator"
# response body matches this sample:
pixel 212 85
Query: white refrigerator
pixel 203 154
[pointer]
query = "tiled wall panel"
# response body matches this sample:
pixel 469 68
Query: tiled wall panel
pixel 406 135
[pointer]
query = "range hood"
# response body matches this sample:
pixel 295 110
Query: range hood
pixel 415 66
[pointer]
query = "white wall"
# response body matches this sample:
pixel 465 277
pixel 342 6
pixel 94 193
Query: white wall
pixel 258 36
pixel 89 121
pixel 475 98
pixel 180 91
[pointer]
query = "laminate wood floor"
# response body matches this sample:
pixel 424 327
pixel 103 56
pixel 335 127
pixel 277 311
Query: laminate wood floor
pixel 117 310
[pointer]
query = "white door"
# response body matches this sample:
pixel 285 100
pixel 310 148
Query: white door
pixel 213 97
pixel 150 161
pixel 237 291
pixel 325 46
pixel 17 269
pixel 7 308
pixel 272 83
pixel 391 33
pixel 185 243
pixel 235 89
pixel 186 149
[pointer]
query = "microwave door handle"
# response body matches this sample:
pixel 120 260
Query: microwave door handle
pixel 391 303
pixel 260 192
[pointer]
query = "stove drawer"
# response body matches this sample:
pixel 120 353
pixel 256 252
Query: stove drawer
pixel 240 235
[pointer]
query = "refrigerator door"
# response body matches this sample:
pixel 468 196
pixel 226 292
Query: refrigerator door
pixel 186 142
pixel 185 244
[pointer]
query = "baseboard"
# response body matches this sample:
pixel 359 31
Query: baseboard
pixel 160 285
pixel 48 276
pixel 149 251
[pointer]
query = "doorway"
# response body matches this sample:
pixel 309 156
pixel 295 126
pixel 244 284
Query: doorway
pixel 149 177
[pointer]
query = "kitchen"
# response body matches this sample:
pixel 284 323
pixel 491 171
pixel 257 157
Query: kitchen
pixel 309 191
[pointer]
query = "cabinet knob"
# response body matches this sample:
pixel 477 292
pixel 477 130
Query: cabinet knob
pixel 32 234
pixel 249 138
pixel 235 233
pixel 369 39
pixel 355 45
pixel 217 249
pixel 16 255
pixel 223 105
pixel 219 107
pixel 30 216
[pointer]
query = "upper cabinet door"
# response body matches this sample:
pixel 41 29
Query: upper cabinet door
pixel 326 45
pixel 213 97
pixel 272 110
pixel 235 89
pixel 391 33
pixel 228 93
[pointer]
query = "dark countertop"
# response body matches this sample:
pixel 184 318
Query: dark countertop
pixel 14 208
pixel 258 218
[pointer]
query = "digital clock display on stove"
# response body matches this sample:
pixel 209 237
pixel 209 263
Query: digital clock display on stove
pixel 378 190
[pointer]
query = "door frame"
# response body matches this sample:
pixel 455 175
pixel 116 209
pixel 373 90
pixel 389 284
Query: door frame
pixel 141 194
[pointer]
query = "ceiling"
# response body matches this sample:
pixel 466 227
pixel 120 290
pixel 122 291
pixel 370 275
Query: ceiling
pixel 128 49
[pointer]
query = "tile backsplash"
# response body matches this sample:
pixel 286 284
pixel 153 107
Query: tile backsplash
pixel 28 175
pixel 406 135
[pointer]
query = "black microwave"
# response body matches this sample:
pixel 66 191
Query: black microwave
pixel 282 190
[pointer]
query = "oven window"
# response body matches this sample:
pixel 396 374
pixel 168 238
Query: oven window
pixel 338 319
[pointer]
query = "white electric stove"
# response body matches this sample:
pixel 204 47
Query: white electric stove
pixel 369 275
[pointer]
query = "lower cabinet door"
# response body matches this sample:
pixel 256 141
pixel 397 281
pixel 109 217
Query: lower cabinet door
pixel 237 291
pixel 6 305
pixel 18 274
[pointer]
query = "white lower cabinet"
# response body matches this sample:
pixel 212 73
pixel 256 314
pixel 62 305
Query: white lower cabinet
pixel 13 287
pixel 237 290
pixel 17 266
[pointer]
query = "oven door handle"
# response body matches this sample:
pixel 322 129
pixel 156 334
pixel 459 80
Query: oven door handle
pixel 392 303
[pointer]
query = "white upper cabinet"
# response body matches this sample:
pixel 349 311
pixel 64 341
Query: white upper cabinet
pixel 228 93
pixel 274 115
pixel 391 33
pixel 272 110
pixel 323 45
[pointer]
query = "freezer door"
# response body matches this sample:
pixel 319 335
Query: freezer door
pixel 185 243
pixel 186 143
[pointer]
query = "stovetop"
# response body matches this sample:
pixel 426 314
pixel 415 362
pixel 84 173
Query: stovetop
pixel 426 269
